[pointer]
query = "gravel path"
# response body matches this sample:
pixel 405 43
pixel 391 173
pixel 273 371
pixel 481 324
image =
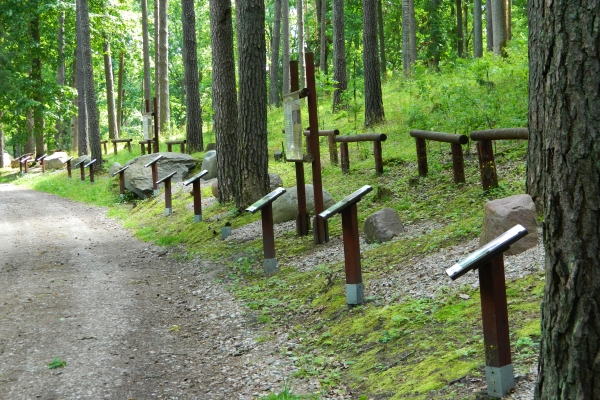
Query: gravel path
pixel 130 322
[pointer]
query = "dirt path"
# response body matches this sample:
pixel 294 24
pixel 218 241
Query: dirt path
pixel 130 322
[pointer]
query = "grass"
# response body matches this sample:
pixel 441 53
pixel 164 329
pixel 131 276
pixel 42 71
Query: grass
pixel 409 348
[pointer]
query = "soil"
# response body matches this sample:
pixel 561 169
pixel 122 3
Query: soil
pixel 129 319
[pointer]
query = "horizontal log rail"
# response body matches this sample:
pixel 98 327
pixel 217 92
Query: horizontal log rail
pixel 366 137
pixel 181 144
pixel 115 141
pixel 440 136
pixel 501 134
pixel 456 142
pixel 376 138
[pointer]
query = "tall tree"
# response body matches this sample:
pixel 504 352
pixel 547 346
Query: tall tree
pixel 163 61
pixel 381 36
pixel 508 19
pixel 190 65
pixel 563 169
pixel 499 26
pixel 406 58
pixel 36 77
pixel 1 140
pixel 274 70
pixel 489 26
pixel 110 91
pixel 75 101
pixel 300 20
pixel 435 33
pixel 88 84
pixel 61 76
pixel 82 116
pixel 459 28
pixel 477 29
pixel 339 53
pixel 373 98
pixel 253 178
pixel 285 51
pixel 323 37
pixel 224 100
pixel 413 31
pixel 146 52
pixel 120 92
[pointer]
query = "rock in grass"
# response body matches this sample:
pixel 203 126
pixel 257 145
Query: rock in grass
pixel 383 226
pixel 285 208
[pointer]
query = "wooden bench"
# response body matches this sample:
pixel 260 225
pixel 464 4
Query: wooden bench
pixel 115 141
pixel 144 143
pixel 181 144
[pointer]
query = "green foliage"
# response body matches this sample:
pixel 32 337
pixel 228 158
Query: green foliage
pixel 57 363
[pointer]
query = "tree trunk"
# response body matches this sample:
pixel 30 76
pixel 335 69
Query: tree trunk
pixel 120 93
pixel 90 91
pixel 339 53
pixel 300 17
pixel 110 91
pixel 156 59
pixel 253 178
pixel 323 25
pixel 489 25
pixel 285 39
pixel 190 63
pixel 433 51
pixel 373 99
pixel 413 31
pixel 61 72
pixel 275 40
pixel 405 37
pixel 82 117
pixel 75 102
pixel 508 20
pixel 563 168
pixel 466 36
pixel 381 39
pixel 2 141
pixel 30 143
pixel 224 100
pixel 459 28
pixel 145 52
pixel 163 58
pixel 477 29
pixel 499 27
pixel 36 77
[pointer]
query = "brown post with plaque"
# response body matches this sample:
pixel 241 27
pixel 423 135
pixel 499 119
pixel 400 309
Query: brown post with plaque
pixel 195 181
pixel 168 196
pixel 68 162
pixel 121 173
pixel 42 161
pixel 489 259
pixel 91 165
pixel 154 165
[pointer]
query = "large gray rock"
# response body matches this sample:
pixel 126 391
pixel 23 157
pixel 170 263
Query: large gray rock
pixel 275 181
pixel 114 167
pixel 214 188
pixel 56 160
pixel 210 164
pixel 139 179
pixel 285 208
pixel 7 158
pixel 383 226
pixel 502 214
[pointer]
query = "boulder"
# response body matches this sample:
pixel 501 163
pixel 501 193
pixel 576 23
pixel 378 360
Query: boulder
pixel 214 187
pixel 7 159
pixel 210 164
pixel 502 214
pixel 114 167
pixel 77 159
pixel 14 164
pixel 210 146
pixel 275 181
pixel 56 160
pixel 383 226
pixel 139 179
pixel 285 208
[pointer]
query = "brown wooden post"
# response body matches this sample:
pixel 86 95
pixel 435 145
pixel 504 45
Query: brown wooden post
pixel 122 183
pixel 182 147
pixel 168 194
pixel 302 219
pixel 82 171
pixel 195 181
pixel 143 147
pixel 377 153
pixel 169 147
pixel 91 165
pixel 266 214
pixel 421 156
pixel 42 161
pixel 129 145
pixel 333 155
pixel 318 223
pixel 68 162
pixel 345 156
pixel 114 147
pixel 154 166
pixel 104 142
pixel 354 285
pixel 25 162
pixel 489 176
pixel 458 163
pixel 155 114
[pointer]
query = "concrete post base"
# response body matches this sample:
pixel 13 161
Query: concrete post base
pixel 168 211
pixel 355 293
pixel 197 218
pixel 499 380
pixel 270 265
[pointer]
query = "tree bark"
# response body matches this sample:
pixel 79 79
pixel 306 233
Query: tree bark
pixel 156 60
pixel 323 24
pixel 508 20
pixel 489 25
pixel 285 39
pixel 224 98
pixel 300 17
pixel 253 178
pixel 2 141
pixel 499 27
pixel 36 77
pixel 413 31
pixel 30 143
pixel 110 91
pixel 90 91
pixel 381 38
pixel 190 63
pixel 563 169
pixel 75 118
pixel 477 29
pixel 275 40
pixel 146 52
pixel 459 28
pixel 373 98
pixel 82 117
pixel 433 51
pixel 405 38
pixel 339 53
pixel 120 93
pixel 163 58
pixel 61 72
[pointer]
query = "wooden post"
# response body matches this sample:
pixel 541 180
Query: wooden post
pixel 354 285
pixel 82 171
pixel 154 166
pixel 345 156
pixel 114 147
pixel 318 224
pixel 377 153
pixel 169 147
pixel 421 156
pixel 42 161
pixel 103 142
pixel 168 196
pixel 458 163
pixel 155 114
pixel 302 219
pixel 489 176
pixel 91 165
pixel 68 162
pixel 182 147
pixel 195 181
